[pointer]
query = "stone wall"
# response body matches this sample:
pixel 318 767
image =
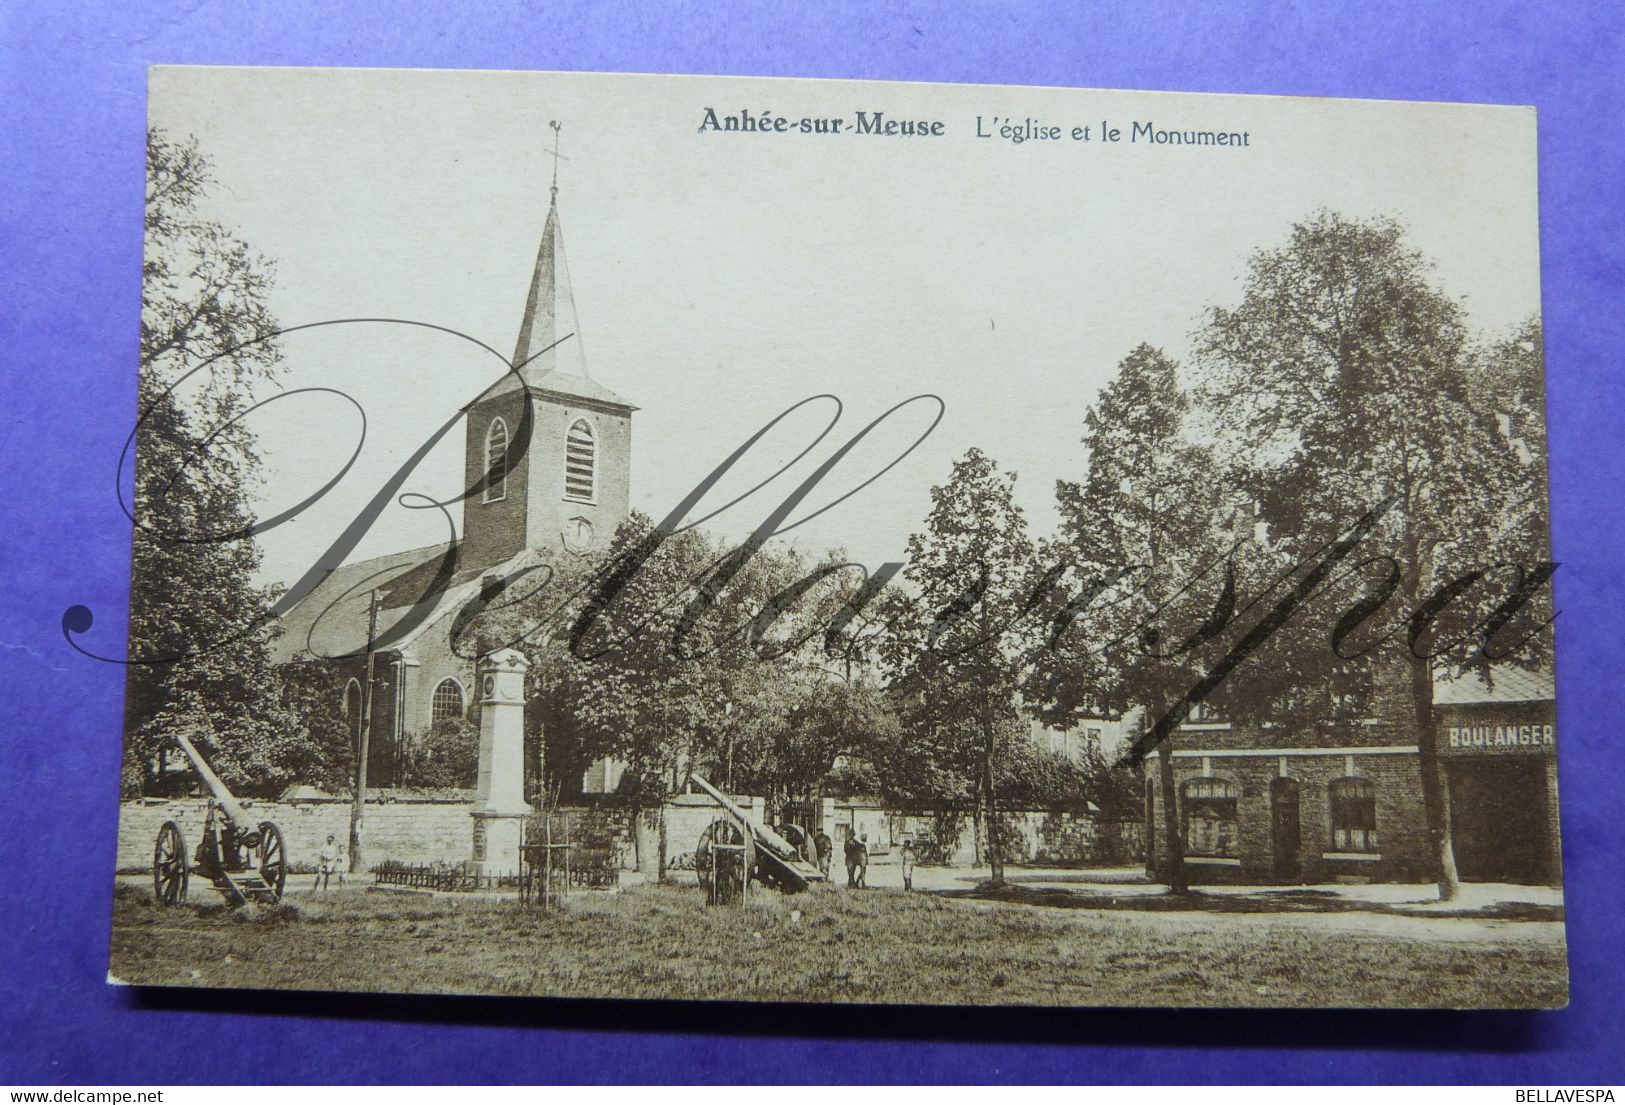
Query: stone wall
pixel 687 815
pixel 426 832
pixel 1039 837
pixel 410 832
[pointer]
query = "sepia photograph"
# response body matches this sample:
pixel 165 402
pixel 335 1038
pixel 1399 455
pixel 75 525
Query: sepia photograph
pixel 919 544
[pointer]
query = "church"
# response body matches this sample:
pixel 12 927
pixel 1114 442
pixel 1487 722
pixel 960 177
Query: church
pixel 561 496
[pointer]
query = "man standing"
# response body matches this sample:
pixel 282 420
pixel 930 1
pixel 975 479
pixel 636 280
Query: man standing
pixel 909 859
pixel 327 863
pixel 823 850
pixel 857 859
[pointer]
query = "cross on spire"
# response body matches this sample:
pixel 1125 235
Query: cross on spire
pixel 557 157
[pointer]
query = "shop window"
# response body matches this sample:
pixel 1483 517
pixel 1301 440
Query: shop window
pixel 1210 818
pixel 1354 815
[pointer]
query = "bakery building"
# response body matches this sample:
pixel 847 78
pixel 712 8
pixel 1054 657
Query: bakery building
pixel 1500 753
pixel 1342 801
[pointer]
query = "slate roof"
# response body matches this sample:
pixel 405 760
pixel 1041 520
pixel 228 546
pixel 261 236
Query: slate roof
pixel 1507 684
pixel 332 620
pixel 548 364
pixel 566 385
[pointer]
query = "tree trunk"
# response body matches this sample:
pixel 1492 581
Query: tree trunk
pixel 1435 784
pixel 1173 855
pixel 995 834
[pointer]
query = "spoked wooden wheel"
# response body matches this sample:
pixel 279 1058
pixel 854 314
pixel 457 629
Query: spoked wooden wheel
pixel 724 860
pixel 273 859
pixel 170 871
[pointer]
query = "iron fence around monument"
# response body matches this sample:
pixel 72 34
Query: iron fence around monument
pixel 443 877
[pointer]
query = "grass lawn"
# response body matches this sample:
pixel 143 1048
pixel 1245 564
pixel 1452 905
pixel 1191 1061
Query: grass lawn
pixel 878 946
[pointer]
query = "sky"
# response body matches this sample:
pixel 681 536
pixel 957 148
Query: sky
pixel 720 279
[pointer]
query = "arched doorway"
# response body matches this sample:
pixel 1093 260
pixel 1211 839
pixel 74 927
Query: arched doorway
pixel 1286 829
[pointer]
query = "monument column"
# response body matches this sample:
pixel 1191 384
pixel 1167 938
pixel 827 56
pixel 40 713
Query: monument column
pixel 499 797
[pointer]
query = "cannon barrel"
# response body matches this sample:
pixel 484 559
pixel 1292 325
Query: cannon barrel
pixel 234 811
pixel 762 833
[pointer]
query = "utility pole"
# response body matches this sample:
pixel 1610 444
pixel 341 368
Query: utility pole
pixel 358 801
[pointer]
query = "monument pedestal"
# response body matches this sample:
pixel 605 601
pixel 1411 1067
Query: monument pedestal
pixel 500 808
pixel 497 837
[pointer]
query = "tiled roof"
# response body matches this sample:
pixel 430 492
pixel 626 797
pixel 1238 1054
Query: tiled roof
pixel 1506 684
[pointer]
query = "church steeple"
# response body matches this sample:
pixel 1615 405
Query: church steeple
pixel 568 489
pixel 550 309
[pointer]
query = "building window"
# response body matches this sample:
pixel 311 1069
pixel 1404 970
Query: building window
pixel 496 461
pixel 1210 818
pixel 448 702
pixel 1354 815
pixel 580 451
pixel 1208 713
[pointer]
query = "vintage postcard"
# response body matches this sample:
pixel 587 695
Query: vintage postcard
pixel 915 544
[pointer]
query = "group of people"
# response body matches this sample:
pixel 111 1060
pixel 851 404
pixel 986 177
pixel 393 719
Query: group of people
pixel 857 859
pixel 329 863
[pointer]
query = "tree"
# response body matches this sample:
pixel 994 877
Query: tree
pixel 319 748
pixel 448 755
pixel 1343 380
pixel 956 643
pixel 198 647
pixel 1141 533
pixel 739 692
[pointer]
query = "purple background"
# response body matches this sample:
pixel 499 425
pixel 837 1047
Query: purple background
pixel 71 144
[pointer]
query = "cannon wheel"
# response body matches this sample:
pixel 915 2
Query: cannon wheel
pixel 725 874
pixel 273 858
pixel 170 872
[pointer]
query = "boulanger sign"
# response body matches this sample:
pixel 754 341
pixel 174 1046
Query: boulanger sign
pixel 1495 736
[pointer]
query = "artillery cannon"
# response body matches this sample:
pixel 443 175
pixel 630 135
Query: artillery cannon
pixel 737 848
pixel 245 861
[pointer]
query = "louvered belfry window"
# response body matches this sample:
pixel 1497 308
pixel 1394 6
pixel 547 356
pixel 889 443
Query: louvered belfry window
pixel 496 461
pixel 580 457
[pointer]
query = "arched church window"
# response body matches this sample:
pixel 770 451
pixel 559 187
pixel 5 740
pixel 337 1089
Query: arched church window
pixel 496 461
pixel 580 455
pixel 448 702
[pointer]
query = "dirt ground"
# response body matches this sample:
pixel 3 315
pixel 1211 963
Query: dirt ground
pixel 880 945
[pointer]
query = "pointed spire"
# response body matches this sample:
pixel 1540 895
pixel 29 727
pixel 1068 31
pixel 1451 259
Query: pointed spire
pixel 550 313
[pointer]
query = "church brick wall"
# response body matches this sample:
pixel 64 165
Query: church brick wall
pixel 550 511
pixel 495 531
